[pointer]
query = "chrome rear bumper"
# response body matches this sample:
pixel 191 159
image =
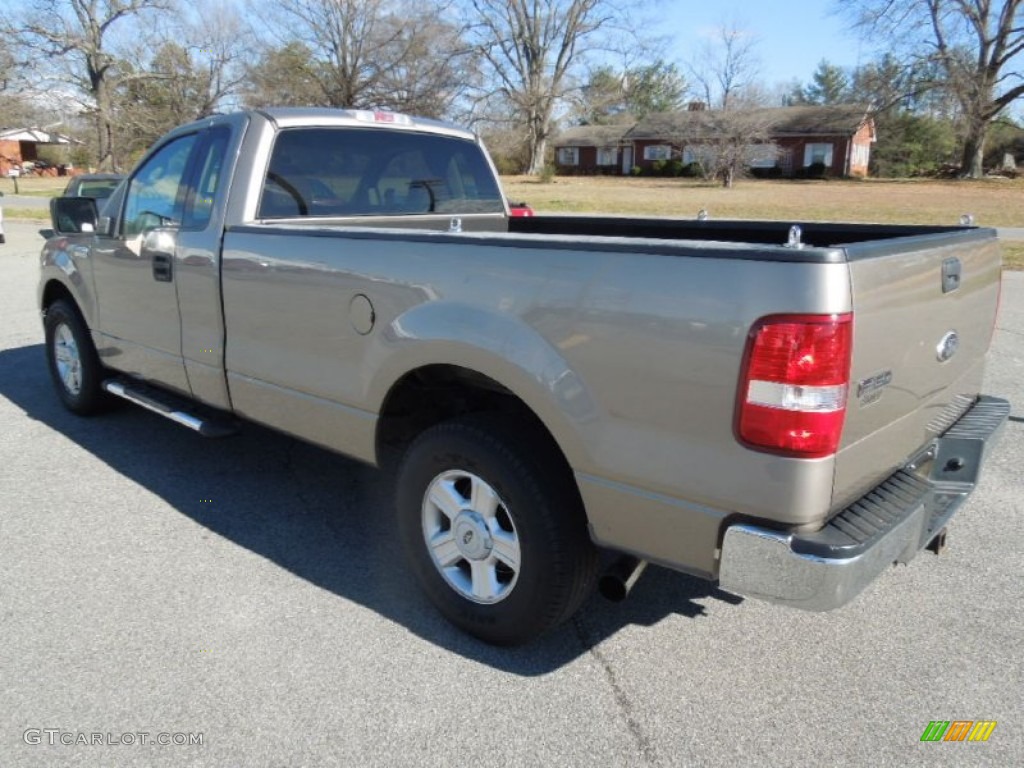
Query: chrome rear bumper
pixel 828 568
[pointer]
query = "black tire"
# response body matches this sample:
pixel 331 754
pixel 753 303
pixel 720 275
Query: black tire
pixel 80 390
pixel 539 509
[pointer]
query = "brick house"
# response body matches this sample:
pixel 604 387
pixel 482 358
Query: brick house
pixel 21 145
pixel 594 149
pixel 837 137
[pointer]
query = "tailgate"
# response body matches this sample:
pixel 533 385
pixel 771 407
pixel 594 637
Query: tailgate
pixel 924 310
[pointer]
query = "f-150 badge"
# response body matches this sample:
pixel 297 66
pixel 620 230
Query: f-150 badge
pixel 870 389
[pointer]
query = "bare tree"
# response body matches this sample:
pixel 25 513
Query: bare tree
pixel 220 46
pixel 79 33
pixel 366 53
pixel 431 70
pixel 8 64
pixel 194 68
pixel 343 38
pixel 977 43
pixel 530 48
pixel 728 130
pixel 725 66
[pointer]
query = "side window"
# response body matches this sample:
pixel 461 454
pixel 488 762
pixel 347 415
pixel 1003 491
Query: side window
pixel 155 193
pixel 199 205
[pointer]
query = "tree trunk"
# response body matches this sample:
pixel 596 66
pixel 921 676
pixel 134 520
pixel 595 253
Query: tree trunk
pixel 104 128
pixel 972 163
pixel 538 149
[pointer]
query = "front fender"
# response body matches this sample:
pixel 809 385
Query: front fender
pixel 66 261
pixel 500 346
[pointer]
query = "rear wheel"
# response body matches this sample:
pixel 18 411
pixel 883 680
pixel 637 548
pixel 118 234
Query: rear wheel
pixel 74 365
pixel 494 529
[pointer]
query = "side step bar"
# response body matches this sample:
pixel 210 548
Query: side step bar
pixel 178 409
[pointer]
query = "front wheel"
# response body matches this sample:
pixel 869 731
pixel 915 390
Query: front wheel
pixel 74 365
pixel 494 529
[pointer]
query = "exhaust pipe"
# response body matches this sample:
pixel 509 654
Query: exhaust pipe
pixel 938 544
pixel 618 580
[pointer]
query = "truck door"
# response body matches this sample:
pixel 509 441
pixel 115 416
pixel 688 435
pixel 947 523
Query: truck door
pixel 134 270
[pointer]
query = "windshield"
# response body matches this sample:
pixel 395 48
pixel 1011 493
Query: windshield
pixel 97 188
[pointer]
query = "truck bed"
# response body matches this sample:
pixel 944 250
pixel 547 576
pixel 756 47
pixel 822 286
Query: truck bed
pixel 813 234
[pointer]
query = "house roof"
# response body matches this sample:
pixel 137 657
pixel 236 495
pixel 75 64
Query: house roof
pixel 36 135
pixel 833 120
pixel 593 135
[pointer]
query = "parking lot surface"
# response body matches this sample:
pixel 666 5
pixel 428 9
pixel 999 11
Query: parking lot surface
pixel 249 593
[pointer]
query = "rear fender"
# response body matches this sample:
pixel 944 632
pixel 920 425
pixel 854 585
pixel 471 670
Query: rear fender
pixel 499 346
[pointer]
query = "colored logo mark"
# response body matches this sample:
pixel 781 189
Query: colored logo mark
pixel 958 730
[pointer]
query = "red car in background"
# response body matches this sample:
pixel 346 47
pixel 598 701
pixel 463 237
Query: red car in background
pixel 520 209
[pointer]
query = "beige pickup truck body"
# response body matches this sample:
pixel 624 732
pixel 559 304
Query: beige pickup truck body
pixel 354 279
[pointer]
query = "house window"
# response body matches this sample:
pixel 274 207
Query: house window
pixel 762 155
pixel 818 153
pixel 700 153
pixel 658 152
pixel 568 155
pixel 861 155
pixel 607 156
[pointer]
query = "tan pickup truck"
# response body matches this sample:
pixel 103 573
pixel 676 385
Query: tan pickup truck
pixel 785 408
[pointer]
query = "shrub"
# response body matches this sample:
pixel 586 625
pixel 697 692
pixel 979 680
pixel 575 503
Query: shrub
pixel 692 170
pixel 814 171
pixel 766 173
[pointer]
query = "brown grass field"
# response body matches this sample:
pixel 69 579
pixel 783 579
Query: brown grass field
pixel 992 202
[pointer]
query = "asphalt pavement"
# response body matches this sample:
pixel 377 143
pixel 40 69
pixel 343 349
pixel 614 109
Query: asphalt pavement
pixel 25 201
pixel 249 593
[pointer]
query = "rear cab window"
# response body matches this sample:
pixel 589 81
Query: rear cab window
pixel 348 171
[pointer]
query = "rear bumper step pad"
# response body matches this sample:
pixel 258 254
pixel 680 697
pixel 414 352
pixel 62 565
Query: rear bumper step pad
pixel 892 523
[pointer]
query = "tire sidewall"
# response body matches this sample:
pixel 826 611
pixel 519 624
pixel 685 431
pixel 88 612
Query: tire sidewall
pixel 89 398
pixel 534 603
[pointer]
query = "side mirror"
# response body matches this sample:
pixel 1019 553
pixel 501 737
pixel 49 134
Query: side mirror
pixel 73 215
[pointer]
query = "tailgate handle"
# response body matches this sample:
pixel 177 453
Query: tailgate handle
pixel 950 274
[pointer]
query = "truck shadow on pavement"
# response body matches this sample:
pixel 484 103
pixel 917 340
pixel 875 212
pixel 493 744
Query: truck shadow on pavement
pixel 322 517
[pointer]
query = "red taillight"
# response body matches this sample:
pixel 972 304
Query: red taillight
pixel 794 384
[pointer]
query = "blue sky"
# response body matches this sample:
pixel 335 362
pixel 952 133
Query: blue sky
pixel 793 35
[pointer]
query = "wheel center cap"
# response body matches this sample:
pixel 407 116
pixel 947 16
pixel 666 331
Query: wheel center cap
pixel 472 536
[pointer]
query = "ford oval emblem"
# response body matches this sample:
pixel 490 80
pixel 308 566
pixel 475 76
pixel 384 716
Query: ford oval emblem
pixel 947 346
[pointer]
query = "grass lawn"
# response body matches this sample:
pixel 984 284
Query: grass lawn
pixel 1013 254
pixel 36 186
pixel 29 214
pixel 992 202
